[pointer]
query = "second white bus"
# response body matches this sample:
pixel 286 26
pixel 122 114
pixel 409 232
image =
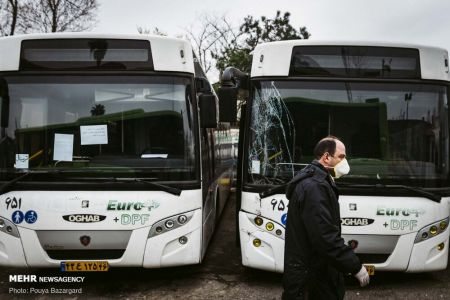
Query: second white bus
pixel 389 105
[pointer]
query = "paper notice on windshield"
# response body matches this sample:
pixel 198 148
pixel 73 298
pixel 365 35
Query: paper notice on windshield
pixel 63 147
pixel 21 161
pixel 94 135
pixel 256 166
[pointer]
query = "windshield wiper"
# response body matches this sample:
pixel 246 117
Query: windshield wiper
pixel 163 187
pixel 414 189
pixel 274 190
pixel 174 191
pixel 3 139
pixel 5 187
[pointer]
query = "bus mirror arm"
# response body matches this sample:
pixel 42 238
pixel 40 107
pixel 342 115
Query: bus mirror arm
pixel 232 77
pixel 231 81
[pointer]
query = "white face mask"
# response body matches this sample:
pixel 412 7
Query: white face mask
pixel 342 168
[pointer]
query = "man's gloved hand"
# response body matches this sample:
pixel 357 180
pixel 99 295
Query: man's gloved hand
pixel 363 277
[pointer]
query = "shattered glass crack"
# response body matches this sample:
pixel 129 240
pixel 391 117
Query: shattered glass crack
pixel 273 132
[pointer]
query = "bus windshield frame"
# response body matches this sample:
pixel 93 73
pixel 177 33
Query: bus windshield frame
pixel 100 125
pixel 375 119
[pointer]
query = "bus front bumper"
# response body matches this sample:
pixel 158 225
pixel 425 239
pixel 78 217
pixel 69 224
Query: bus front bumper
pixel 162 250
pixel 267 253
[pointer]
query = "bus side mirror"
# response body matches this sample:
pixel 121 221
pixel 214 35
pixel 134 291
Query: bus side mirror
pixel 208 114
pixel 4 96
pixel 5 111
pixel 227 103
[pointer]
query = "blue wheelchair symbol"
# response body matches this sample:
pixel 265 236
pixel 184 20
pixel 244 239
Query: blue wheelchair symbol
pixel 284 219
pixel 30 216
pixel 17 217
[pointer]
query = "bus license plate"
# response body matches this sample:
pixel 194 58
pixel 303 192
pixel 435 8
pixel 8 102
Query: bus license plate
pixel 370 269
pixel 84 266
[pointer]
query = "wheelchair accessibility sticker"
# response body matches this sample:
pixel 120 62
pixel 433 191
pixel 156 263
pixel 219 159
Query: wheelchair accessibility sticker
pixel 30 216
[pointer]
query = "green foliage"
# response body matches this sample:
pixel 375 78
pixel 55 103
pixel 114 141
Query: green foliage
pixel 234 56
pixel 251 33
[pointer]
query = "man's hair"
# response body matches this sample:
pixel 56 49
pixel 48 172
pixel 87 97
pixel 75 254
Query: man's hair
pixel 327 144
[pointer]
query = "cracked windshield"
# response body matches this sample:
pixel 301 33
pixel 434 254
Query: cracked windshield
pixel 395 133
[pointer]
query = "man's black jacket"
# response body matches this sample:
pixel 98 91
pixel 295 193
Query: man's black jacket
pixel 313 232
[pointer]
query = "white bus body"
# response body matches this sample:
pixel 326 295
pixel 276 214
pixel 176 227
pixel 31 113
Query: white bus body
pixel 103 155
pixel 391 111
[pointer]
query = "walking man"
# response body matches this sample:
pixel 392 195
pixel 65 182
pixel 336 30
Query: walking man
pixel 316 256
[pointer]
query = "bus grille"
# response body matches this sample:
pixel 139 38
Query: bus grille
pixel 84 244
pixel 372 258
pixel 85 254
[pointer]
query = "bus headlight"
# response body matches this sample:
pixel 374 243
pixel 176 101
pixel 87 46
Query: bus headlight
pixel 443 225
pixel 431 230
pixel 270 226
pixel 8 227
pixel 258 221
pixel 182 219
pixel 170 223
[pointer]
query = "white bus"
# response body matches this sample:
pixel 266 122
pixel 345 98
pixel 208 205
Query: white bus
pixel 111 154
pixel 389 105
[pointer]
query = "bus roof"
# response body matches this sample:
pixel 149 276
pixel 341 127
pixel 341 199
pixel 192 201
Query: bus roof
pixel 165 51
pixel 274 58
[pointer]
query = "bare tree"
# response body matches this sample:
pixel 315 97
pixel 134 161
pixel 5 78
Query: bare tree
pixel 209 37
pixel 4 18
pixel 10 14
pixel 145 30
pixel 60 15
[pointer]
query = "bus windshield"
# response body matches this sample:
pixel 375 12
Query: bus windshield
pixel 123 126
pixel 395 133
